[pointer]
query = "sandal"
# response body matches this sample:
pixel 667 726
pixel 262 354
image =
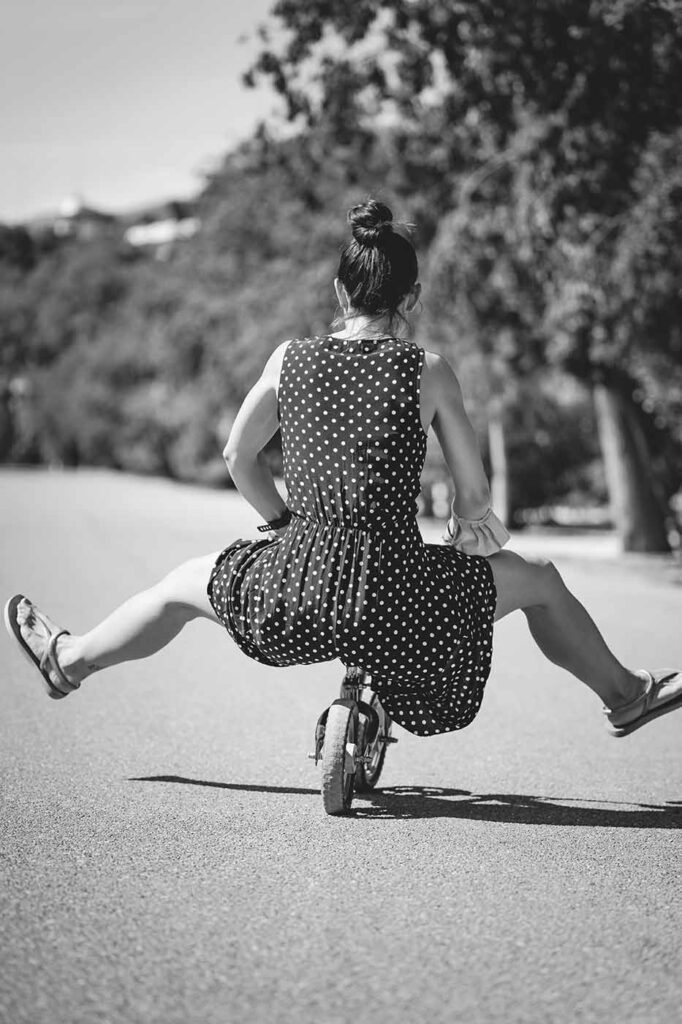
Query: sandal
pixel 49 659
pixel 663 693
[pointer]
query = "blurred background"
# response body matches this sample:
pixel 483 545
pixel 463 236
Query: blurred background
pixel 173 195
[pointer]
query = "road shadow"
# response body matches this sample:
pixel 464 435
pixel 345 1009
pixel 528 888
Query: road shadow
pixel 404 802
pixel 242 787
pixel 409 802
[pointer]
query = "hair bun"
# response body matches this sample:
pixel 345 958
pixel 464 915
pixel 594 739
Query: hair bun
pixel 370 223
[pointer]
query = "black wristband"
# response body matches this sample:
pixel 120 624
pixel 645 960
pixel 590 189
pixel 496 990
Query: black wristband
pixel 276 524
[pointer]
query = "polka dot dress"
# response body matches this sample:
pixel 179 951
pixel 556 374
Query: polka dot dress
pixel 351 578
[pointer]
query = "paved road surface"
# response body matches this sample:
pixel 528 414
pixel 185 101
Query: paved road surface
pixel 166 857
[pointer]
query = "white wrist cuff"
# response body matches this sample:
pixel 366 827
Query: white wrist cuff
pixel 482 536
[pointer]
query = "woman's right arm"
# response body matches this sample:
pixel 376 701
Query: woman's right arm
pixel 443 408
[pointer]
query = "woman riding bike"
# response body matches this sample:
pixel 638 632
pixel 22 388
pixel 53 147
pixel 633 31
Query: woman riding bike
pixel 343 572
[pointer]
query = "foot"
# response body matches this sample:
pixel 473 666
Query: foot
pixel 43 642
pixel 662 693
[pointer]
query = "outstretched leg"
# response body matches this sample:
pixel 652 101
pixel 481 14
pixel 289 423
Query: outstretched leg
pixel 138 628
pixel 561 627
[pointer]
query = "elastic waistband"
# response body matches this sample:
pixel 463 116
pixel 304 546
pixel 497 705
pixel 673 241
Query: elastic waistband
pixel 368 528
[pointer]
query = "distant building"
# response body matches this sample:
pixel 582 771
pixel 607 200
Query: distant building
pixel 155 227
pixel 159 227
pixel 74 219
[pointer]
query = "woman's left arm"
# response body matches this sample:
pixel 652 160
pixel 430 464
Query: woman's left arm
pixel 255 424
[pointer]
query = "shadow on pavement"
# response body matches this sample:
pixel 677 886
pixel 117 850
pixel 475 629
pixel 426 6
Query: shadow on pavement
pixel 435 802
pixel 404 802
pixel 242 787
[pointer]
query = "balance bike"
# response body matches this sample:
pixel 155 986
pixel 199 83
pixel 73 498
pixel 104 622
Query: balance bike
pixel 351 738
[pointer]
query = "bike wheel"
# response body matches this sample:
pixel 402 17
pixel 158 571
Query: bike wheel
pixel 338 759
pixel 367 774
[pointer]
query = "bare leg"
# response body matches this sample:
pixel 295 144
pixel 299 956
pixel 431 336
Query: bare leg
pixel 142 625
pixel 561 626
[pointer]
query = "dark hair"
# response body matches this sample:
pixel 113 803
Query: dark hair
pixel 379 266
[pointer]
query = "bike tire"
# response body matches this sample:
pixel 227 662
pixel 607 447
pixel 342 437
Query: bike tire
pixel 367 775
pixel 337 780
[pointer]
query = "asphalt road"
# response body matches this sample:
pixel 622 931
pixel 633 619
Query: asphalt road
pixel 166 858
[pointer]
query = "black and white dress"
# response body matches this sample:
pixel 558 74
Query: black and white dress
pixel 351 578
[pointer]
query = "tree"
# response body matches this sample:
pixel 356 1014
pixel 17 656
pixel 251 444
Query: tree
pixel 536 126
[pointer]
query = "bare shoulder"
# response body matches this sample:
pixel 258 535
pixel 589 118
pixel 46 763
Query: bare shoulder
pixel 273 366
pixel 438 376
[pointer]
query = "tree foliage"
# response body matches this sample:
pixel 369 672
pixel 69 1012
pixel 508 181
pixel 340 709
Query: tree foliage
pixel 537 151
pixel 554 134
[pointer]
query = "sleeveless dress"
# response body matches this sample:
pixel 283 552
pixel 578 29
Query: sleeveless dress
pixel 351 577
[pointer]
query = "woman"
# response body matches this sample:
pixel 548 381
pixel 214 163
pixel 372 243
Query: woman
pixel 344 572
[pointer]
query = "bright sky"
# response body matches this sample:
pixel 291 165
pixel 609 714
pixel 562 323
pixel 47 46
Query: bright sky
pixel 121 101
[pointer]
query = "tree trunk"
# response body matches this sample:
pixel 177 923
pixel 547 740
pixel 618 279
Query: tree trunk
pixel 499 472
pixel 636 508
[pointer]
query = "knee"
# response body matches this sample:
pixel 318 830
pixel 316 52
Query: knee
pixel 547 576
pixel 523 582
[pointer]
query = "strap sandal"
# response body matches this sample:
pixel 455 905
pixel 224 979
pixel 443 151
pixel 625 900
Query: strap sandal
pixel 48 662
pixel 663 693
